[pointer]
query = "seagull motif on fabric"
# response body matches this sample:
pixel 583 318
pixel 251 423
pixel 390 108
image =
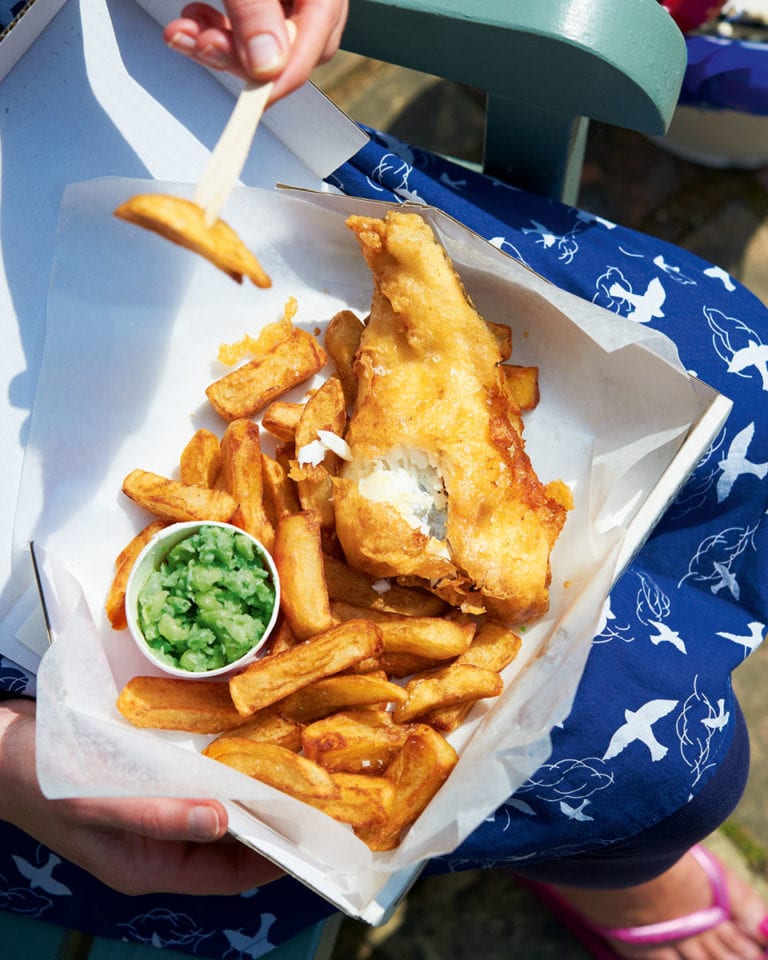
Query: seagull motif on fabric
pixel 755 354
pixel 672 271
pixel 548 238
pixel 738 345
pixel 717 273
pixel 251 945
pixel 666 634
pixel 735 463
pixel 720 719
pixel 639 726
pixel 645 306
pixel 752 640
pixel 42 877
pixel 575 813
pixel 727 580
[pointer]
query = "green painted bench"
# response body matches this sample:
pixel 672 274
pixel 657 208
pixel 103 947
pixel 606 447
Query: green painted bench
pixel 23 938
pixel 547 67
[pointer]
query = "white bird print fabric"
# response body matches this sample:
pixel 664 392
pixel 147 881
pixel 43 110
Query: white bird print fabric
pixel 654 715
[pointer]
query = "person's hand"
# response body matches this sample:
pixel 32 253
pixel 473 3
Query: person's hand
pixel 133 845
pixel 252 40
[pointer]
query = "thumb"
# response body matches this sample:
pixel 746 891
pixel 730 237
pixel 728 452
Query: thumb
pixel 158 818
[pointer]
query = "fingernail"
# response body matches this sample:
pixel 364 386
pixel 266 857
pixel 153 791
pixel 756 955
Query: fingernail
pixel 213 57
pixel 763 928
pixel 203 823
pixel 182 42
pixel 264 53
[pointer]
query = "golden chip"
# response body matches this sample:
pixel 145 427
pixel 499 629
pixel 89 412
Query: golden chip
pixel 200 460
pixel 299 561
pixel 361 801
pixel 273 678
pixel 182 221
pixel 417 772
pixel 339 693
pixel 457 683
pixel 342 338
pixel 251 387
pixel 167 703
pixel 176 501
pixel 355 741
pixel 115 605
pixel 266 726
pixel 277 766
pixel 241 477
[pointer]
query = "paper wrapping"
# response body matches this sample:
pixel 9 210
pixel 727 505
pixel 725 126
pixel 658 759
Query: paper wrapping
pixel 133 329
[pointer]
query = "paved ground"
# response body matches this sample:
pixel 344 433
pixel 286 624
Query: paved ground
pixel 722 215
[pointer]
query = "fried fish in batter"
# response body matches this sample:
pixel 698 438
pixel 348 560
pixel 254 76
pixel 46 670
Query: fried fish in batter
pixel 439 486
pixel 182 221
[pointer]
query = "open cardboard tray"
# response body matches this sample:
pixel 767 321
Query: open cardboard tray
pixel 133 329
pixel 22 30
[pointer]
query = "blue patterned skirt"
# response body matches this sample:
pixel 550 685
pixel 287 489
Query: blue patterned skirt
pixel 655 715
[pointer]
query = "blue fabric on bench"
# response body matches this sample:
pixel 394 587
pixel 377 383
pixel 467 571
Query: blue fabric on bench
pixel 726 74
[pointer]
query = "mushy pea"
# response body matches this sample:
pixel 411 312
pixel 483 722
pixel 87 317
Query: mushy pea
pixel 209 603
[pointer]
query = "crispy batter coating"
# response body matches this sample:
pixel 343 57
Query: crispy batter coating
pixel 432 404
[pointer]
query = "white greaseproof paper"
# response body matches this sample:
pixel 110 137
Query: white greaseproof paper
pixel 134 326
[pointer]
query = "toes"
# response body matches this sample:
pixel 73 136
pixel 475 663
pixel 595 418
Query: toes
pixel 737 944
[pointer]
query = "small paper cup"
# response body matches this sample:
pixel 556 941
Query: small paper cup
pixel 151 558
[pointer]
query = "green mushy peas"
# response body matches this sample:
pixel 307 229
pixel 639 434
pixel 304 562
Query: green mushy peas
pixel 209 603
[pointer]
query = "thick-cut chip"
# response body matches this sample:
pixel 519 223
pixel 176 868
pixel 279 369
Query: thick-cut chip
pixel 252 386
pixel 361 590
pixel 169 703
pixel 417 773
pixel 362 801
pixel 299 561
pixel 495 646
pixel 281 418
pixel 279 767
pixel 273 678
pixel 281 638
pixel 398 665
pixel 183 222
pixel 502 334
pixel 355 742
pixel 280 496
pixel 342 338
pixel 339 693
pixel 115 605
pixel 201 459
pixel 324 411
pixel 456 683
pixel 285 454
pixel 522 385
pixel 241 477
pixel 426 637
pixel 176 501
pixel 430 637
pixel 266 726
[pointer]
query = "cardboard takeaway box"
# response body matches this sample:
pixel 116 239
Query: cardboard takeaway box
pixel 133 329
pixel 618 419
pixel 20 24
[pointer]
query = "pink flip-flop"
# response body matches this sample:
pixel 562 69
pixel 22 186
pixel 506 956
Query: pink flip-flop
pixel 593 935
